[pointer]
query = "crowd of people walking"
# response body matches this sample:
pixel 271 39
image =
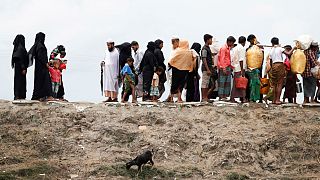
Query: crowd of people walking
pixel 231 73
pixel 225 72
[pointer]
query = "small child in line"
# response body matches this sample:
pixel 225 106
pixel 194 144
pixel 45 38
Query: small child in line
pixel 154 93
pixel 55 75
pixel 128 80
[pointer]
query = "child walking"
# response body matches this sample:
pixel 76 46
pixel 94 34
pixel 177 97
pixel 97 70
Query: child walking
pixel 128 80
pixel 154 93
pixel 55 75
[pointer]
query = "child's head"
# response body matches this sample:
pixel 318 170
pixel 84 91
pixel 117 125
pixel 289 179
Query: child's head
pixel 130 61
pixel 56 64
pixel 159 70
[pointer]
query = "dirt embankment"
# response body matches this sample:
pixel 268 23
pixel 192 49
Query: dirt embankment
pixel 94 141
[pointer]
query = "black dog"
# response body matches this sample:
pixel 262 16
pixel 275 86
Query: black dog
pixel 141 160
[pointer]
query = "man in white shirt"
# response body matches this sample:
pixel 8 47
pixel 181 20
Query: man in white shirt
pixel 238 62
pixel 277 68
pixel 137 56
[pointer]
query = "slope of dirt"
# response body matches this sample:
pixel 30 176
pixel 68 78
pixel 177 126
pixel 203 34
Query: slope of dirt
pixel 94 141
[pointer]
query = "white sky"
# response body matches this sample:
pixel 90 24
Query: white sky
pixel 83 26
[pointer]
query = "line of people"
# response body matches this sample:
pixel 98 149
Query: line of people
pixel 230 72
pixel 48 84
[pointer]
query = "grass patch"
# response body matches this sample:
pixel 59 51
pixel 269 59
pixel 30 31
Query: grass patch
pixel 148 172
pixel 28 173
pixel 236 176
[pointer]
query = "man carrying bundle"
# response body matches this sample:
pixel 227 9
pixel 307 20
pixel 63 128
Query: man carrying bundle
pixel 254 72
pixel 310 82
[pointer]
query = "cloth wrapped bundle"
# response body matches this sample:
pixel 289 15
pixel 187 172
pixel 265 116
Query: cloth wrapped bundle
pixel 265 86
pixel 316 72
pixel 254 57
pixel 298 61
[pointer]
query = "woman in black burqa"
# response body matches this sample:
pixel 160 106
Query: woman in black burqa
pixel 20 63
pixel 160 63
pixel 147 67
pixel 42 89
pixel 193 92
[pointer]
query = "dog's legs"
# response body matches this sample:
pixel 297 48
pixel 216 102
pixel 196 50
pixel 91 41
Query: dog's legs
pixel 139 170
pixel 152 163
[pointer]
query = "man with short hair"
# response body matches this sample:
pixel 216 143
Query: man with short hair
pixel 309 81
pixel 111 72
pixel 225 69
pixel 239 64
pixel 252 39
pixel 137 56
pixel 207 66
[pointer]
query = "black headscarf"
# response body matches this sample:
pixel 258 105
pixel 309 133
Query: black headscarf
pixel 19 50
pixel 197 47
pixel 124 53
pixel 151 46
pixel 158 42
pixel 39 41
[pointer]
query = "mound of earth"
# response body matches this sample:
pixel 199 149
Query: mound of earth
pixel 94 141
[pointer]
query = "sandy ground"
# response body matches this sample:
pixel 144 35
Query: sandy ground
pixel 94 141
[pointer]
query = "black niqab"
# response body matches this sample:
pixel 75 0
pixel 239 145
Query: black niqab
pixel 124 53
pixel 42 81
pixel 197 47
pixel 19 51
pixel 19 62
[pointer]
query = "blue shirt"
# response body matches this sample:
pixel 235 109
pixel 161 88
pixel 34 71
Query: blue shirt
pixel 127 70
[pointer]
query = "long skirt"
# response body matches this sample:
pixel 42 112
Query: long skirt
pixel 291 87
pixel 237 93
pixel 139 86
pixel 193 92
pixel 309 86
pixel 147 80
pixel 20 83
pixel 178 80
pixel 278 73
pixel 224 83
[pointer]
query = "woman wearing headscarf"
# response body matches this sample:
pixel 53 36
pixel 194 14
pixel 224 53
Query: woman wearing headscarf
pixel 19 62
pixel 193 92
pixel 42 82
pixel 147 67
pixel 160 63
pixel 181 62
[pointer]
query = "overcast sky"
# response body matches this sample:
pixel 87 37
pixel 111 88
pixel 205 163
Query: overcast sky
pixel 83 26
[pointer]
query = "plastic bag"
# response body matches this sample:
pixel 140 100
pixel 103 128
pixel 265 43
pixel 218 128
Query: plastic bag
pixel 241 82
pixel 298 61
pixel 254 57
pixel 316 72
pixel 303 42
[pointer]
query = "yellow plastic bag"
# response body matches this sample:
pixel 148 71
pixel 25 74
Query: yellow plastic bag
pixel 254 57
pixel 298 61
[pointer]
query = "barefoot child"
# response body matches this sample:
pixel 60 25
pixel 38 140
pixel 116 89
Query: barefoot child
pixel 128 80
pixel 154 93
pixel 55 75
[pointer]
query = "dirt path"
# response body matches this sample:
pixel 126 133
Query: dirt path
pixel 94 141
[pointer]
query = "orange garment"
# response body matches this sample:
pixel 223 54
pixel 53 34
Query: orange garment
pixel 182 58
pixel 224 58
